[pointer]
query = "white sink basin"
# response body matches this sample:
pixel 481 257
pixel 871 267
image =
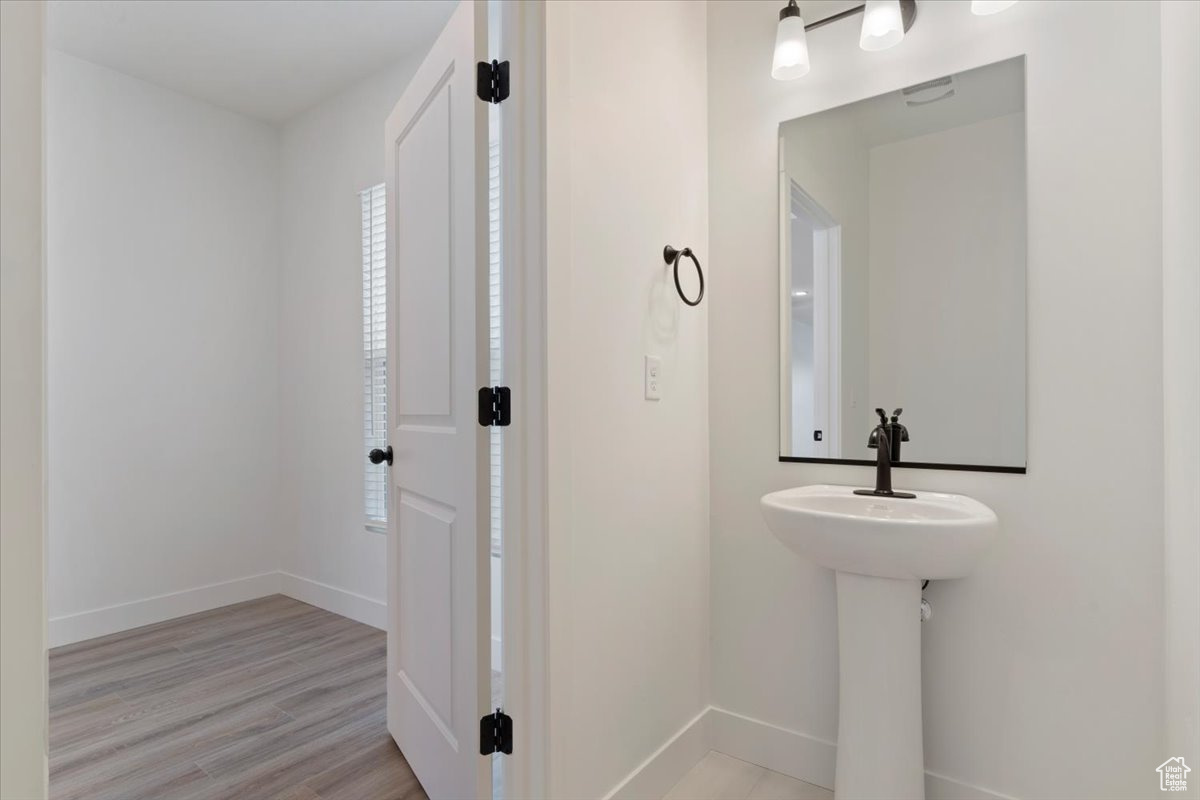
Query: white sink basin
pixel 932 536
pixel 881 548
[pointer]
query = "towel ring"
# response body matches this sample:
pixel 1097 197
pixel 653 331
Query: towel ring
pixel 672 257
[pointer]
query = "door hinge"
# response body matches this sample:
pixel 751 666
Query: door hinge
pixel 491 81
pixel 495 734
pixel 495 406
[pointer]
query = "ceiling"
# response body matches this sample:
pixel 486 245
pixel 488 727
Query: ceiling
pixel 269 59
pixel 983 93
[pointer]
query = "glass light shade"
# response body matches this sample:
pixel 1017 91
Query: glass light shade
pixel 882 26
pixel 791 50
pixel 982 8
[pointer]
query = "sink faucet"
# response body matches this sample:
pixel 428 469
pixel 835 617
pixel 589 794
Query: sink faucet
pixel 896 433
pixel 885 437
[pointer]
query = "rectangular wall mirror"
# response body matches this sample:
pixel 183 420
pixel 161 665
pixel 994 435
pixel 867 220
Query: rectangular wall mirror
pixel 902 223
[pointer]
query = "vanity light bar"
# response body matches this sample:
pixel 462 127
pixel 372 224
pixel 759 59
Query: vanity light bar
pixel 884 24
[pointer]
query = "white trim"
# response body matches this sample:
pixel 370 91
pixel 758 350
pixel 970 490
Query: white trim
pixel 833 342
pixel 785 304
pixel 655 776
pixel 1181 379
pixel 809 204
pixel 71 628
pixel 810 758
pixel 827 318
pixel 802 756
pixel 343 602
pixel 939 787
pixel 524 562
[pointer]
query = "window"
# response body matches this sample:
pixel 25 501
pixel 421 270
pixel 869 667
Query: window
pixel 374 280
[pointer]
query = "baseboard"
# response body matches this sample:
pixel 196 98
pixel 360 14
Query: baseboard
pixel 800 755
pixel 71 628
pixel 655 776
pixel 939 787
pixel 809 758
pixel 339 601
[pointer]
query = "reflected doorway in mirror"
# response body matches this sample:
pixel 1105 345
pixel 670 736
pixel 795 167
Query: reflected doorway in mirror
pixel 811 240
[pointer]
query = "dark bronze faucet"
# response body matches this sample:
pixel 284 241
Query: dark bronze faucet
pixel 886 439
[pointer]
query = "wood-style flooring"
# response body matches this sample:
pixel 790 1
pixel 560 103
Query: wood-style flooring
pixel 271 699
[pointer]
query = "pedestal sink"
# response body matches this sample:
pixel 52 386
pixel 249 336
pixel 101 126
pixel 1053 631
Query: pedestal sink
pixel 881 548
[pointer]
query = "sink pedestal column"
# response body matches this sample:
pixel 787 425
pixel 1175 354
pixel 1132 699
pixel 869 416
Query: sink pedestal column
pixel 880 752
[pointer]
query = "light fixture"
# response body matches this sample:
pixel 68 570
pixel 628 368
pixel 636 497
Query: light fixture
pixel 800 293
pixel 981 8
pixel 882 26
pixel 791 46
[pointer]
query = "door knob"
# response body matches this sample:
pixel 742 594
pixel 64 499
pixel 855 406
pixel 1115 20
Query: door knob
pixel 378 456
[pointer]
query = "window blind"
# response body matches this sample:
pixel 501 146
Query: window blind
pixel 374 279
pixel 494 341
pixel 374 274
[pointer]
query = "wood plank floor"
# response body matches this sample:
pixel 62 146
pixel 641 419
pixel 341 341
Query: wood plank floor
pixel 271 699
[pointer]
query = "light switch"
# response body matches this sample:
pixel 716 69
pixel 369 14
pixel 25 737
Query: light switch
pixel 653 378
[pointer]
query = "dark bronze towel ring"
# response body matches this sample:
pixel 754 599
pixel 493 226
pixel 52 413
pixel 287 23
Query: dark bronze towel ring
pixel 672 257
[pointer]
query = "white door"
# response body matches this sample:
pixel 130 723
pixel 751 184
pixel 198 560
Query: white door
pixel 438 570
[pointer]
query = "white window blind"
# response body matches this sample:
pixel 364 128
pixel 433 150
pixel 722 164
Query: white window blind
pixel 496 372
pixel 374 278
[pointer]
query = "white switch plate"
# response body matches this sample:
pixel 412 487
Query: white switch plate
pixel 653 378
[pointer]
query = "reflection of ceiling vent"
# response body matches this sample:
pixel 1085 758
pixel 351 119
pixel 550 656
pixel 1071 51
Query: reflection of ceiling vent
pixel 922 94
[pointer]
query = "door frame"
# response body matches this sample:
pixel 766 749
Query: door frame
pixel 827 315
pixel 525 505
pixel 523 246
pixel 524 564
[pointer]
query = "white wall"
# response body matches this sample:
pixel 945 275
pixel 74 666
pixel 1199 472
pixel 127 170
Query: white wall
pixel 942 265
pixel 1043 671
pixel 205 351
pixel 23 744
pixel 1181 375
pixel 162 334
pixel 628 506
pixel 330 153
